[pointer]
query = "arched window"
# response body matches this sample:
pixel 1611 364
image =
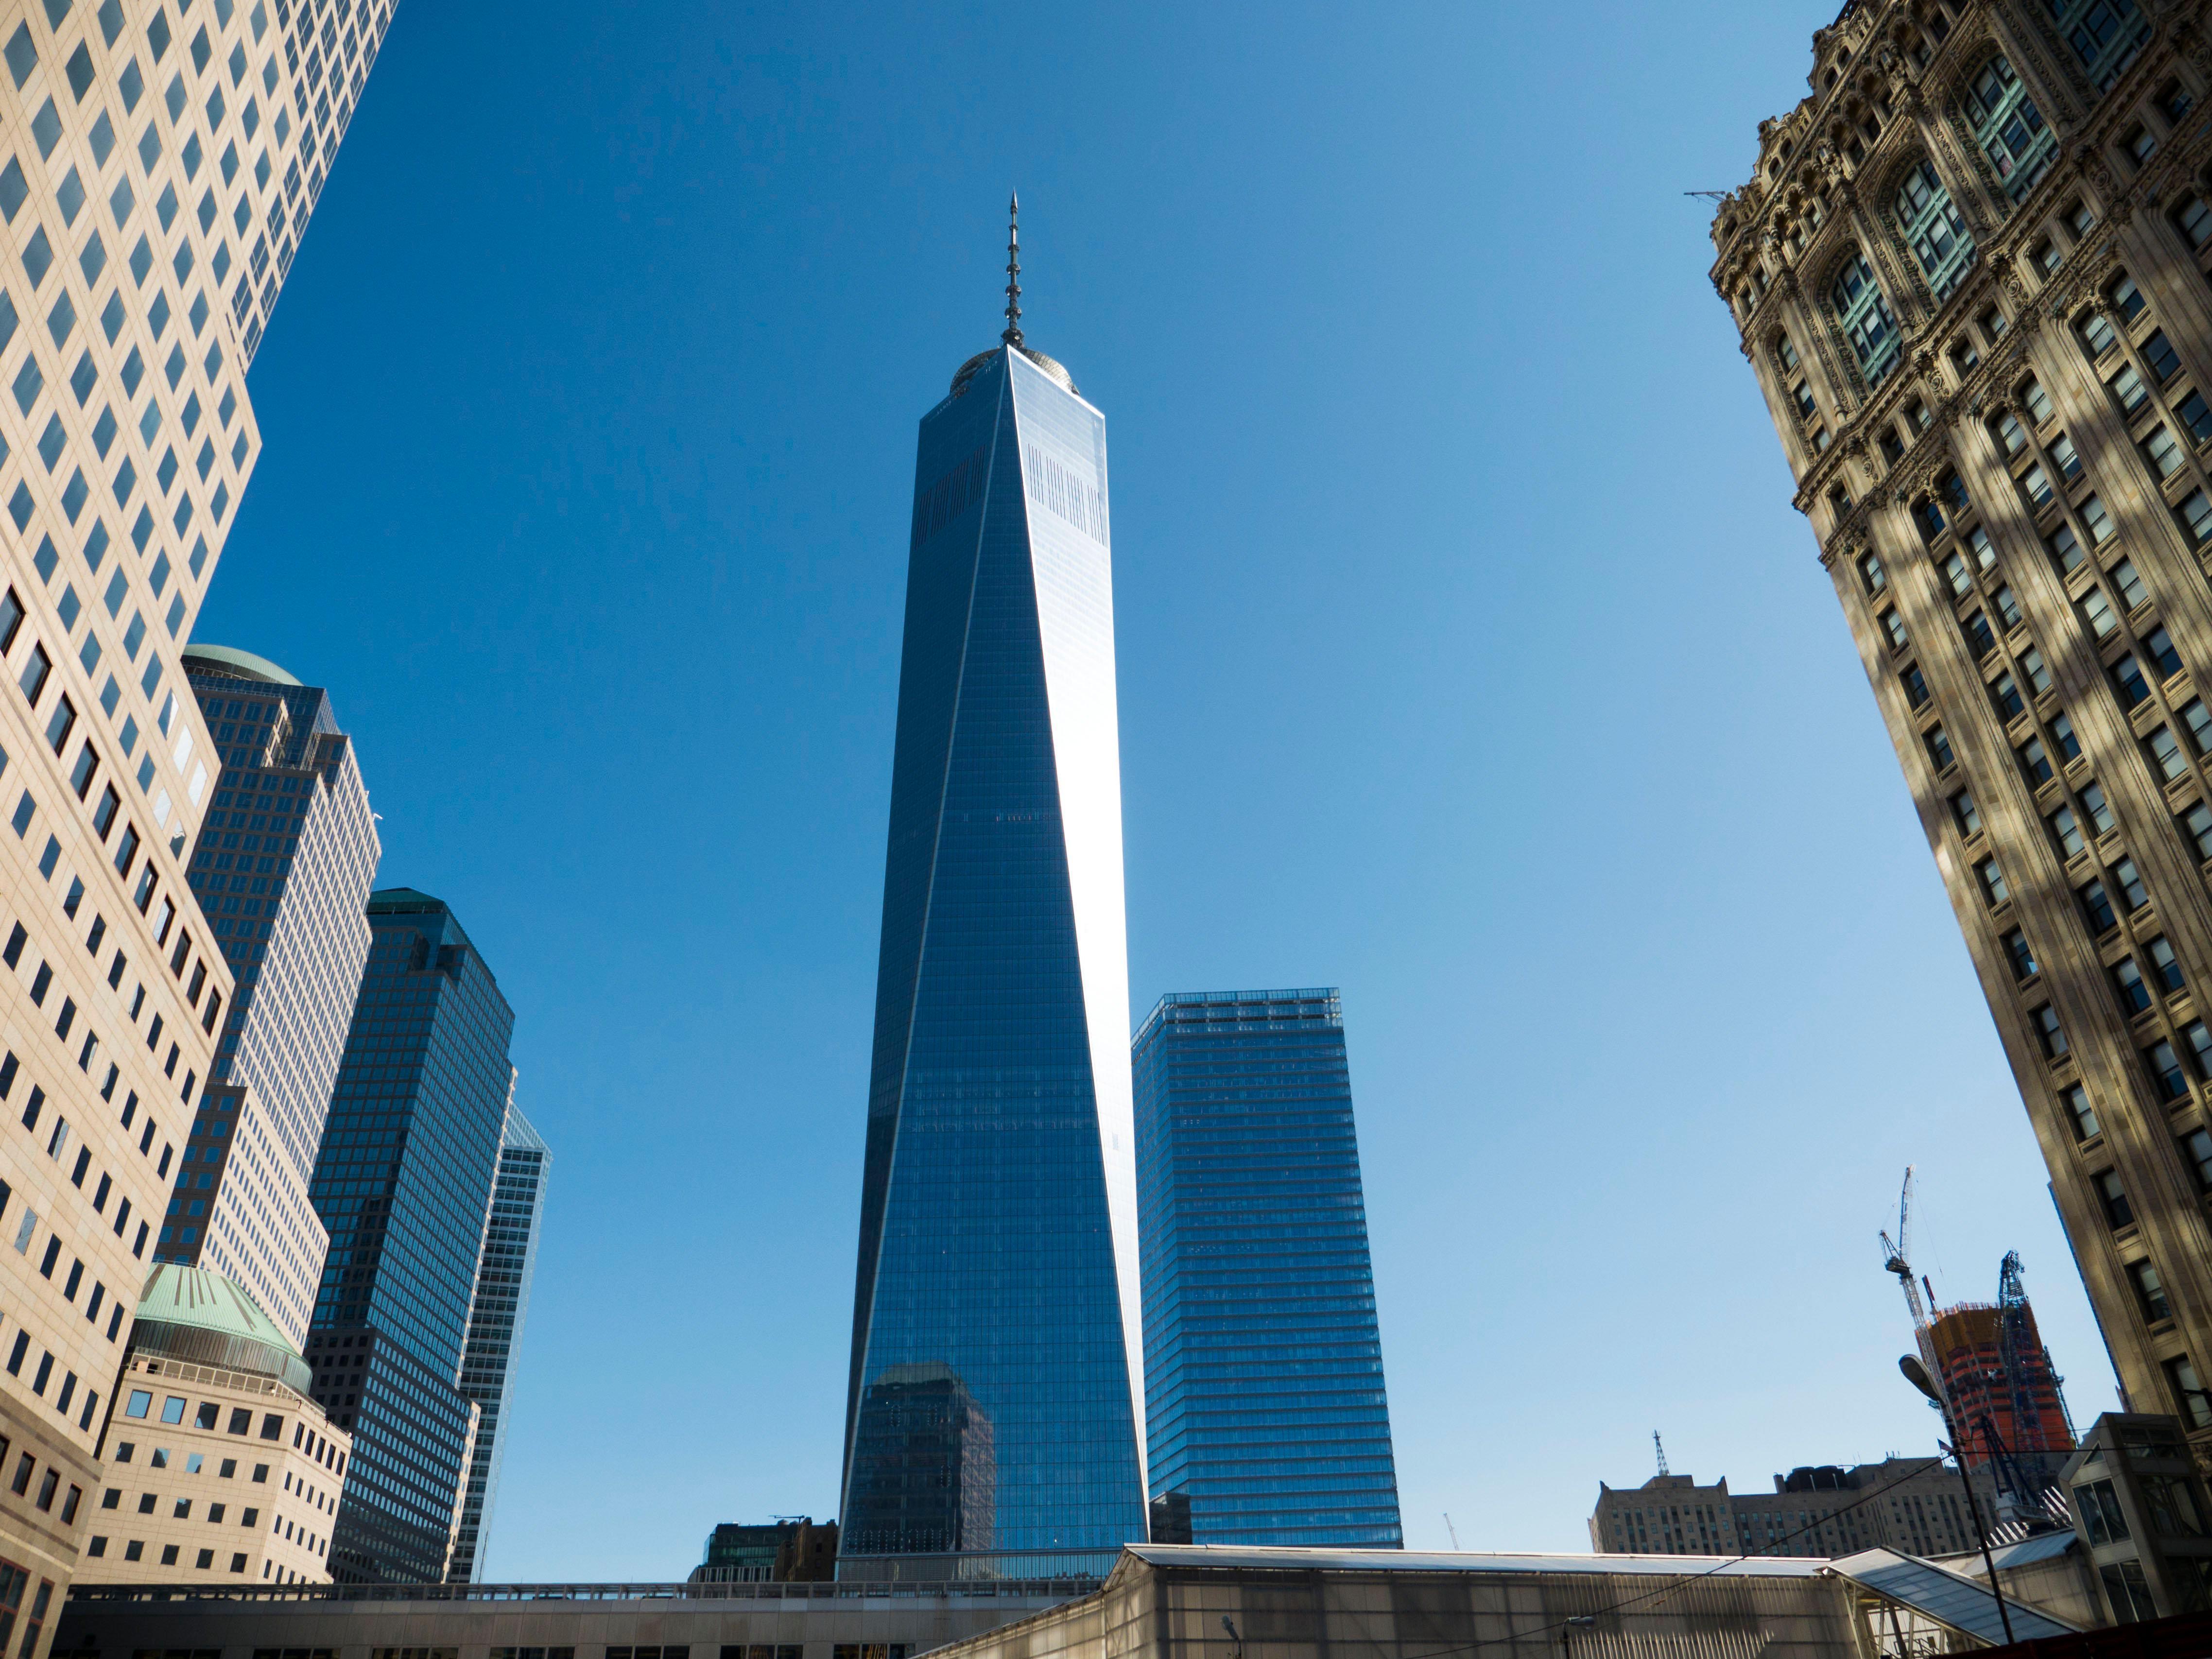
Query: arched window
pixel 1865 319
pixel 2009 128
pixel 2106 35
pixel 1933 226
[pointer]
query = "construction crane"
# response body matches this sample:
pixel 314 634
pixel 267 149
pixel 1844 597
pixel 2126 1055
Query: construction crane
pixel 1660 1447
pixel 2026 1360
pixel 1896 1257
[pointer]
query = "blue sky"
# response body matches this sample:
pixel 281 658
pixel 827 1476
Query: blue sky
pixel 1472 660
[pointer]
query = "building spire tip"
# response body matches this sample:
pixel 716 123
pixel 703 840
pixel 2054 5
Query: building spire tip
pixel 1012 334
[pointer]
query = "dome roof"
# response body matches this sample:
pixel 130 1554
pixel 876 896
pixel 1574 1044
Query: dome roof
pixel 191 1313
pixel 239 664
pixel 1051 367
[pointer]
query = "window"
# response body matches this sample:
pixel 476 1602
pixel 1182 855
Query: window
pixel 2197 828
pixel 1802 395
pixel 2038 401
pixel 2011 435
pixel 2166 755
pixel 1891 446
pixel 2130 582
pixel 2066 830
pixel 1939 748
pixel 2031 664
pixel 2128 881
pixel 2159 353
pixel 2049 1032
pixel 1991 876
pixel 2171 1081
pixel 2163 451
pixel 2164 967
pixel 2098 610
pixel 2098 809
pixel 1980 635
pixel 2101 1511
pixel 2197 1147
pixel 2062 733
pixel 2128 390
pixel 2017 953
pixel 2196 415
pixel 2195 512
pixel 2128 676
pixel 1955 573
pixel 2118 1215
pixel 1933 229
pixel 2194 220
pixel 2009 127
pixel 2004 691
pixel 2037 482
pixel 2195 1407
pixel 1968 816
pixel 1785 353
pixel 2068 463
pixel 2073 1099
pixel 2127 298
pixel 1871 573
pixel 2097 335
pixel 2128 980
pixel 2097 906
pixel 2173 100
pixel 1865 319
pixel 2066 548
pixel 1892 627
pixel 2005 603
pixel 2035 761
pixel 1916 685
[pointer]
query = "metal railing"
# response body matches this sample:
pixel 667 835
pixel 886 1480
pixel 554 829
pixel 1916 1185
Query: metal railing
pixel 1064 1589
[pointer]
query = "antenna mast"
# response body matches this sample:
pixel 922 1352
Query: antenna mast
pixel 1012 336
pixel 1660 1447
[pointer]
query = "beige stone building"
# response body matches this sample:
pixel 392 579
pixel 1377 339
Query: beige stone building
pixel 1915 1505
pixel 158 164
pixel 1970 273
pixel 218 1464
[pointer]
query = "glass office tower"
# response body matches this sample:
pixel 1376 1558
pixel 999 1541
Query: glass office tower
pixel 502 1303
pixel 281 874
pixel 1268 1423
pixel 992 1402
pixel 404 1186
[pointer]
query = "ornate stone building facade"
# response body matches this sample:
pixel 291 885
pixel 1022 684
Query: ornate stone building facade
pixel 1970 276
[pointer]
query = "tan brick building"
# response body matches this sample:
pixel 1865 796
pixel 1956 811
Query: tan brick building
pixel 1970 273
pixel 219 1466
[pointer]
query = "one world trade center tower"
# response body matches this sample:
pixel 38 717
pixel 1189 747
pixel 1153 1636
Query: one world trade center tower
pixel 996 1366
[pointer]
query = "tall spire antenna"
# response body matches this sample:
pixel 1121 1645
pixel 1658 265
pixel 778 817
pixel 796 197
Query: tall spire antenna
pixel 1012 336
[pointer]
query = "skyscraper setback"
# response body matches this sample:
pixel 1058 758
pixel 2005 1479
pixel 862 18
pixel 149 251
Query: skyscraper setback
pixel 995 1320
pixel 283 873
pixel 1970 274
pixel 1268 1420
pixel 157 167
pixel 404 1185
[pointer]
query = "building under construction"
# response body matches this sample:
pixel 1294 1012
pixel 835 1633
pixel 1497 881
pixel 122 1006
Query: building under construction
pixel 1997 1376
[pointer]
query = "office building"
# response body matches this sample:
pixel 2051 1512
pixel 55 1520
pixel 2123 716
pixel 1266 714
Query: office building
pixel 1916 1505
pixel 790 1549
pixel 995 1296
pixel 283 872
pixel 495 1317
pixel 1267 1419
pixel 219 1468
pixel 404 1185
pixel 156 169
pixel 2138 1506
pixel 1970 278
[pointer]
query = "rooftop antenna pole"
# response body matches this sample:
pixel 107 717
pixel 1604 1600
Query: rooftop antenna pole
pixel 1012 336
pixel 1660 1447
pixel 1453 1530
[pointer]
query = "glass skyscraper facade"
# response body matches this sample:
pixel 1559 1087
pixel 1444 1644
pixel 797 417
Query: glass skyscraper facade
pixel 404 1185
pixel 992 1403
pixel 502 1301
pixel 1267 1422
pixel 283 873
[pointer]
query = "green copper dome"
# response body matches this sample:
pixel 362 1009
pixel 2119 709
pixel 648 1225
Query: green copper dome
pixel 191 1313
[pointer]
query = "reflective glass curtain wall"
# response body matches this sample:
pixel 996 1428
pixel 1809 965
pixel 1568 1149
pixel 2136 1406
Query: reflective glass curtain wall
pixel 404 1186
pixel 993 1396
pixel 502 1303
pixel 1268 1420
